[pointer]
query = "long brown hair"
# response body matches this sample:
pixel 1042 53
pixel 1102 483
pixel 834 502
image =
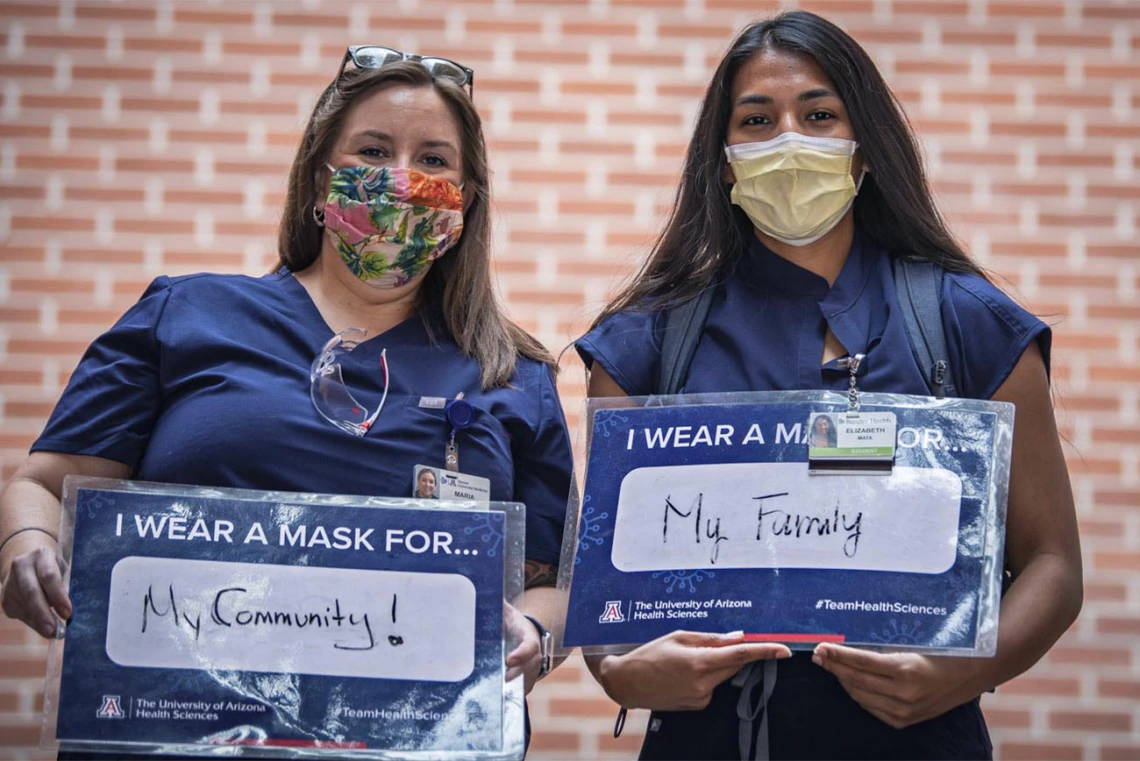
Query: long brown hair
pixel 459 283
pixel 706 234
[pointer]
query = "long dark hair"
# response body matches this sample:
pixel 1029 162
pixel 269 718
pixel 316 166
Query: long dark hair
pixel 706 234
pixel 459 283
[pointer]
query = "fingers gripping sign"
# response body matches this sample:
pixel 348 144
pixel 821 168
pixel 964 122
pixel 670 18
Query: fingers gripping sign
pixel 900 689
pixel 34 591
pixel 679 671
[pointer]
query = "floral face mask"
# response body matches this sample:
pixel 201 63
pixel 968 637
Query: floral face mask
pixel 388 223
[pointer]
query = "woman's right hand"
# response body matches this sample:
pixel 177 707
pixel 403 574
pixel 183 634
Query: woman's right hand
pixel 33 590
pixel 678 672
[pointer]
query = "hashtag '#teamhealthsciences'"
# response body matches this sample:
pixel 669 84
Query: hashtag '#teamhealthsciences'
pixel 861 606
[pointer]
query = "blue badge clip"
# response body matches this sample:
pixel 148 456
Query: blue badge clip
pixel 459 413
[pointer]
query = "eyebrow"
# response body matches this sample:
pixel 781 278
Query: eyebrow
pixel 764 100
pixel 383 136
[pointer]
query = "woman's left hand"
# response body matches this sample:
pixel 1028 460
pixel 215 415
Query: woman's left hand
pixel 900 689
pixel 526 657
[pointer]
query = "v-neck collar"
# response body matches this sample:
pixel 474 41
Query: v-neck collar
pixel 763 268
pixel 311 316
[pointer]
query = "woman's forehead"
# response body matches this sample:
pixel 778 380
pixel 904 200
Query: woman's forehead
pixel 403 112
pixel 778 73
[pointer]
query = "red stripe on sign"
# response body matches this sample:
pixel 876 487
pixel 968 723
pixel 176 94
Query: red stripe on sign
pixel 795 638
pixel 285 743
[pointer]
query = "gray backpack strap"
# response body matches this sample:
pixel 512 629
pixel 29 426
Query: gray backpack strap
pixel 683 326
pixel 919 285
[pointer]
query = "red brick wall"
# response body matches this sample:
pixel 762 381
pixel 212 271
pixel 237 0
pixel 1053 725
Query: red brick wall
pixel 140 138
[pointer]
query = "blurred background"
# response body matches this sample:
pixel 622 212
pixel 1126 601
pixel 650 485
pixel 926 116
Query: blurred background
pixel 143 138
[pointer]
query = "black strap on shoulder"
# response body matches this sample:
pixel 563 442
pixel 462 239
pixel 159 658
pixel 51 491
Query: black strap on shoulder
pixel 919 285
pixel 683 326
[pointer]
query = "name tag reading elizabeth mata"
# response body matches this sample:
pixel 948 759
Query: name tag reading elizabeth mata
pixel 851 442
pixel 704 512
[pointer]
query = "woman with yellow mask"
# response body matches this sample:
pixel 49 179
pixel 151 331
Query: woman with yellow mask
pixel 801 191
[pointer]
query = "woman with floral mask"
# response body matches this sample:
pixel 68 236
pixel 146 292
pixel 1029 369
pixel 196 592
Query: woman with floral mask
pixel 342 371
pixel 802 184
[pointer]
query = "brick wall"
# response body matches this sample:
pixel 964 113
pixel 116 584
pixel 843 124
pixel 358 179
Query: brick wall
pixel 139 138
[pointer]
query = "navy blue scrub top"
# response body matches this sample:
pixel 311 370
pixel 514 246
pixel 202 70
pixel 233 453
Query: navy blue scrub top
pixel 768 320
pixel 765 332
pixel 205 381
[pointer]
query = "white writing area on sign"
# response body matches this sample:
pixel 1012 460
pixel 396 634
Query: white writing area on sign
pixel 197 614
pixel 776 515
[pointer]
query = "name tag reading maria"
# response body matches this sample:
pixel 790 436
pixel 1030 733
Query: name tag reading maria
pixel 701 513
pixel 207 617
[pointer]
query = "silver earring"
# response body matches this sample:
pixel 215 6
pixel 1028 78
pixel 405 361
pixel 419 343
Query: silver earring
pixel 318 216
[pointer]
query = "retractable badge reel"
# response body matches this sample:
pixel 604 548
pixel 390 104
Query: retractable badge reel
pixel 459 414
pixel 852 441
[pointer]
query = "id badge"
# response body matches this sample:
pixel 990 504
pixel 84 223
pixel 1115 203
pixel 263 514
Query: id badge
pixel 851 442
pixel 438 483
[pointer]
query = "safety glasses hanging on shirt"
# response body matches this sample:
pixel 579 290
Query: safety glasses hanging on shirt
pixel 329 394
pixel 377 57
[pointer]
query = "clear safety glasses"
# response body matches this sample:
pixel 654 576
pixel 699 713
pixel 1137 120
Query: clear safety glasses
pixel 329 394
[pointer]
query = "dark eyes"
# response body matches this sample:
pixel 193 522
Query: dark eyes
pixel 431 159
pixel 814 116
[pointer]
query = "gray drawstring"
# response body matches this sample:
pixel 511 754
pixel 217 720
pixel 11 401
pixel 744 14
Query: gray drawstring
pixel 757 673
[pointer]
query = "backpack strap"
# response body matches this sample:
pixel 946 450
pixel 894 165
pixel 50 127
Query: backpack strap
pixel 683 326
pixel 919 285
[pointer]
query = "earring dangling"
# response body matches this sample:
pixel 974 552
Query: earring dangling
pixel 318 216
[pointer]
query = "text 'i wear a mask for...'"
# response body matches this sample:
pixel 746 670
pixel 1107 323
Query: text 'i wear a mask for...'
pixel 794 188
pixel 387 223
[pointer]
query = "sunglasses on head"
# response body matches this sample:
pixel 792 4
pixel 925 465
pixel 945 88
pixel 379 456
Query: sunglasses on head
pixel 377 57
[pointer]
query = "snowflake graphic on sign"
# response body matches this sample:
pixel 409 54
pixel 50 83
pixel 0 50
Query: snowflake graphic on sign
pixel 591 525
pixel 682 581
pixel 489 532
pixel 605 421
pixel 898 634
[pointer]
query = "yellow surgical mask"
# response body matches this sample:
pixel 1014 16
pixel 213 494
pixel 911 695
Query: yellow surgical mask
pixel 794 188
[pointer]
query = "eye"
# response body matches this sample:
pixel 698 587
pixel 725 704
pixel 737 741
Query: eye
pixel 436 161
pixel 373 152
pixel 820 116
pixel 756 120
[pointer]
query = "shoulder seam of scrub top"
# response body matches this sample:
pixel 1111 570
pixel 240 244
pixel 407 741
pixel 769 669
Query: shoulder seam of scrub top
pixel 995 306
pixel 1021 346
pixel 169 287
pixel 1025 336
pixel 608 365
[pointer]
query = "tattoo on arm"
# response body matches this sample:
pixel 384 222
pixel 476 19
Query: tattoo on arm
pixel 540 574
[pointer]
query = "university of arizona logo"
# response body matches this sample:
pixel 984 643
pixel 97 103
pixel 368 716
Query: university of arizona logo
pixel 613 614
pixel 112 708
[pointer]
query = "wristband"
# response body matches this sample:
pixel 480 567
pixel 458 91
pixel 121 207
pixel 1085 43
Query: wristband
pixel 22 530
pixel 545 648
